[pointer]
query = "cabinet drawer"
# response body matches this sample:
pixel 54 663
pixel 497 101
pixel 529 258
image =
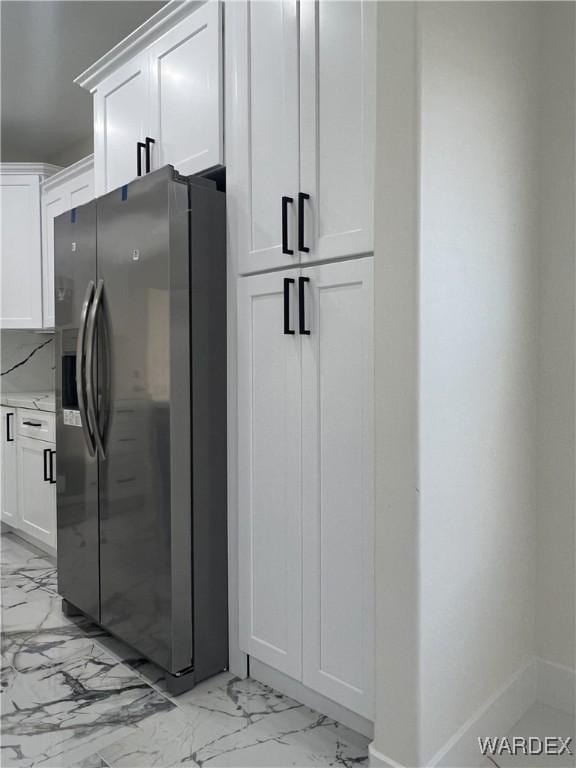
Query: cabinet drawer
pixel 36 424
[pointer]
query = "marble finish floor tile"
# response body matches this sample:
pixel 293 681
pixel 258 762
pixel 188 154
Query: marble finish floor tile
pixel 64 695
pixel 15 552
pixel 238 723
pixel 73 696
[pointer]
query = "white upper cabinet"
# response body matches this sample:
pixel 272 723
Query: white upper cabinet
pixel 21 244
pixel 121 124
pixel 337 127
pixel 186 94
pixel 64 191
pixel 302 141
pixel 265 130
pixel 158 96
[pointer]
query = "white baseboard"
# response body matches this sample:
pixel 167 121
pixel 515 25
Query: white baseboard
pixel 300 692
pixel 378 760
pixel 494 718
pixel 44 549
pixel 497 716
pixel 556 685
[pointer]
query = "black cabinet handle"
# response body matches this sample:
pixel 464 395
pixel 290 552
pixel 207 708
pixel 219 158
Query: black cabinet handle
pixel 52 479
pixel 287 283
pixel 285 202
pixel 46 473
pixel 32 423
pixel 9 435
pixel 149 141
pixel 139 147
pixel 302 196
pixel 302 306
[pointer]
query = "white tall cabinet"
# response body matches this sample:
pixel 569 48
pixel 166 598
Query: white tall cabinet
pixel 305 404
pixel 304 123
pixel 64 191
pixel 158 96
pixel 301 150
pixel 21 244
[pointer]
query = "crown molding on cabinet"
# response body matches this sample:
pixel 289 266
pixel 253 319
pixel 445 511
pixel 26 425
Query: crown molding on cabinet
pixel 68 173
pixel 37 169
pixel 147 33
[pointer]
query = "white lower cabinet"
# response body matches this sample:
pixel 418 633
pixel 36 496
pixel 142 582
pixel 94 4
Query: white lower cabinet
pixel 8 464
pixel 305 367
pixel 28 465
pixel 269 474
pixel 37 489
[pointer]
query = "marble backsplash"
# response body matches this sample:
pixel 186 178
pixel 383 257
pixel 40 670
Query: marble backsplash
pixel 26 361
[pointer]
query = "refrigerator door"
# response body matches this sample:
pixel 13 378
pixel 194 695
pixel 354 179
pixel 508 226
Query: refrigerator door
pixel 77 465
pixel 143 398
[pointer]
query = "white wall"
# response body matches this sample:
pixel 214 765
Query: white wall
pixel 556 446
pixel 475 362
pixel 396 375
pixel 478 259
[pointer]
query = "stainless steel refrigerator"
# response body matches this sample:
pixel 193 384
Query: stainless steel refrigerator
pixel 140 288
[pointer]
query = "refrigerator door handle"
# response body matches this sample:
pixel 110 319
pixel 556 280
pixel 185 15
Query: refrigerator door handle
pixel 90 343
pixel 80 376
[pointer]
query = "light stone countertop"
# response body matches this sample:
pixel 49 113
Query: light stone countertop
pixel 39 401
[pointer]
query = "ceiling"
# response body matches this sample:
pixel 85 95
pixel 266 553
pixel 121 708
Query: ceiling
pixel 45 44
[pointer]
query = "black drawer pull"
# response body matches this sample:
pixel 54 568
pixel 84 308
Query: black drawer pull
pixel 287 283
pixel 32 423
pixel 302 306
pixel 52 478
pixel 9 435
pixel 46 471
pixel 286 201
pixel 302 196
pixel 139 147
pixel 149 141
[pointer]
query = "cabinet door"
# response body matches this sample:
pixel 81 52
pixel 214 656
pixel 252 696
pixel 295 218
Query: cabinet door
pixel 8 464
pixel 337 483
pixel 36 495
pixel 266 132
pixel 121 120
pixel 63 198
pixel 337 126
pixel 270 578
pixel 20 255
pixel 186 93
